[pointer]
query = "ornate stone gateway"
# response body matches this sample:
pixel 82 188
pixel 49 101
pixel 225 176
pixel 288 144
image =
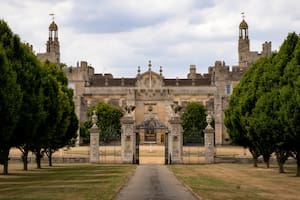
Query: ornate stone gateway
pixel 130 136
pixel 150 127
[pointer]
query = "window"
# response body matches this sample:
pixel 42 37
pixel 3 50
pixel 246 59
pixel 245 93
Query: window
pixel 228 89
pixel 71 85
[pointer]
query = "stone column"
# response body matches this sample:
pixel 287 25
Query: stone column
pixel 209 141
pixel 128 135
pixel 94 140
pixel 128 139
pixel 77 102
pixel 175 139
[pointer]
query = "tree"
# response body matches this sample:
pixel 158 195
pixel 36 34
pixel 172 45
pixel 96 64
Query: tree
pixel 263 110
pixel 193 122
pixel 60 125
pixel 10 101
pixel 108 121
pixel 28 76
pixel 84 131
pixel 242 98
pixel 289 112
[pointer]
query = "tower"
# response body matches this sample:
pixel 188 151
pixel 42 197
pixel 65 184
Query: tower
pixel 53 43
pixel 243 47
pixel 52 53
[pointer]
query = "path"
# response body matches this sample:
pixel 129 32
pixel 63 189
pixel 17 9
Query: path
pixel 154 182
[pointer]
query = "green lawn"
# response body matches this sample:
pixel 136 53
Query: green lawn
pixel 73 182
pixel 239 181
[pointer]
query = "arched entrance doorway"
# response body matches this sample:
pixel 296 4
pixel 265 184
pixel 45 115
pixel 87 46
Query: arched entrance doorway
pixel 152 143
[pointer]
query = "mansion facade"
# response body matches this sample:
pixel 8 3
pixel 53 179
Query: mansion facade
pixel 152 94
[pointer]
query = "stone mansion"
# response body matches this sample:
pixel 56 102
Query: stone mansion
pixel 152 94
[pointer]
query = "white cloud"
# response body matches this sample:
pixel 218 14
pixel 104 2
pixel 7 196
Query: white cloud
pixel 117 36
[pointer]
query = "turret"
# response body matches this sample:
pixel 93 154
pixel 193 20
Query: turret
pixel 53 43
pixel 243 47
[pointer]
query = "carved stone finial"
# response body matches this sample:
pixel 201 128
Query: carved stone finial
pixel 243 15
pixel 139 70
pixel 149 65
pixel 160 70
pixel 209 120
pixel 52 14
pixel 176 108
pixel 94 119
pixel 129 109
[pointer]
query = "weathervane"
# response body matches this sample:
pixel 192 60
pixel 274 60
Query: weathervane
pixel 52 14
pixel 243 15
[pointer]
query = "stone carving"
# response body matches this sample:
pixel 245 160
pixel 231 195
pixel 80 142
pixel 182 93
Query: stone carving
pixel 94 140
pixel 129 109
pixel 127 136
pixel 94 120
pixel 209 120
pixel 209 141
pixel 176 108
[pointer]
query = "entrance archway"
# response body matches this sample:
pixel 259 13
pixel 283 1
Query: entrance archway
pixel 152 144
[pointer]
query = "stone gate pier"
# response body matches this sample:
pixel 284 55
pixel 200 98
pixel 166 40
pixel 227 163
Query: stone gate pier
pixel 209 132
pixel 94 140
pixel 128 136
pixel 175 138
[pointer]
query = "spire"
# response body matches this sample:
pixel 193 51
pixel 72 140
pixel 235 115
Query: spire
pixel 53 28
pixel 244 42
pixel 243 15
pixel 243 28
pixel 53 43
pixel 52 14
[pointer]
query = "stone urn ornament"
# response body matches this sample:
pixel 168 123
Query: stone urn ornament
pixel 209 119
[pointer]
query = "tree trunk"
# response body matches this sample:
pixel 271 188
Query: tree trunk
pixel 267 160
pixel 50 158
pixel 5 167
pixel 281 167
pixel 255 156
pixel 281 157
pixel 38 157
pixel 267 163
pixel 4 154
pixel 298 163
pixel 255 161
pixel 25 159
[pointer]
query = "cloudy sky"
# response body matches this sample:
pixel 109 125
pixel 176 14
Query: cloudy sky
pixel 116 36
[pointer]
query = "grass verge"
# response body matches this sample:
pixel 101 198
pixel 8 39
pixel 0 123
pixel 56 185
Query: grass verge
pixel 74 182
pixel 239 181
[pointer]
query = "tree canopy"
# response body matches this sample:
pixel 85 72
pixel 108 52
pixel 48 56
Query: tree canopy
pixel 193 122
pixel 36 106
pixel 263 112
pixel 108 121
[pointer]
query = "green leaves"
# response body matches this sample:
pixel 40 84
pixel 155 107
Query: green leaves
pixel 36 107
pixel 193 122
pixel 264 109
pixel 108 121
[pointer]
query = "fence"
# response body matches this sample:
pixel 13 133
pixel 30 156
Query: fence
pixel 149 154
